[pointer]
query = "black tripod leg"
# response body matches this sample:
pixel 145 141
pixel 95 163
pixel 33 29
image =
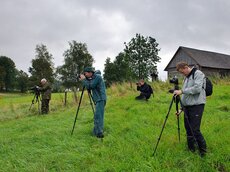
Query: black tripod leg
pixel 178 126
pixel 178 117
pixel 77 110
pixel 32 102
pixel 38 99
pixel 91 99
pixel 163 126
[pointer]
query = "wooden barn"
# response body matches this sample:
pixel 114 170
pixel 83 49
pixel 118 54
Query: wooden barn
pixel 210 63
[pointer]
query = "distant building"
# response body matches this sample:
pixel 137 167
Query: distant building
pixel 210 63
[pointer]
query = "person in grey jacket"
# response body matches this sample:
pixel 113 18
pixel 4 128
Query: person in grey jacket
pixel 193 102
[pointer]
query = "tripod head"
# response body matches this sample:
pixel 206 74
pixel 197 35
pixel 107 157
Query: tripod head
pixel 36 90
pixel 174 81
pixel 36 98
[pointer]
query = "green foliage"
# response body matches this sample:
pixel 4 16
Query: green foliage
pixel 137 61
pixel 22 81
pixel 42 65
pixel 109 75
pixel 7 73
pixel 77 58
pixel 31 142
pixel 142 55
pixel 117 71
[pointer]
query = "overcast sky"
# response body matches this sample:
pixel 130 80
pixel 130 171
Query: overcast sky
pixel 104 25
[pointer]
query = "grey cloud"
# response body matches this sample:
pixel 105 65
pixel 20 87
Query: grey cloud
pixel 104 25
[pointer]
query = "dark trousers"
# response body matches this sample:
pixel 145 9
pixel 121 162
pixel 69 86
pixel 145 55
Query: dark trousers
pixel 99 118
pixel 192 121
pixel 142 96
pixel 45 106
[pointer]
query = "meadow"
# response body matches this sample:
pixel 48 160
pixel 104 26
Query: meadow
pixel 33 142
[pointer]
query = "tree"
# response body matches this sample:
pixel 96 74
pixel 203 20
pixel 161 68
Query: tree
pixel 76 59
pixel 2 77
pixel 117 71
pixel 7 73
pixel 110 74
pixel 142 55
pixel 42 65
pixel 22 81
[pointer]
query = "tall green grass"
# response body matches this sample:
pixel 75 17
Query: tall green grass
pixel 32 142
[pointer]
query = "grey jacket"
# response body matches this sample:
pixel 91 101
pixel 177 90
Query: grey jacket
pixel 193 89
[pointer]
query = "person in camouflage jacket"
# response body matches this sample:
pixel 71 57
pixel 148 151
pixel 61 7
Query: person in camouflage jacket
pixel 46 95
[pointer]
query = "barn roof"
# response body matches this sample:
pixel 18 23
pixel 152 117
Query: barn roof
pixel 205 58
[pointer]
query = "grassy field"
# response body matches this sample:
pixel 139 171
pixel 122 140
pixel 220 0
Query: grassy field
pixel 32 142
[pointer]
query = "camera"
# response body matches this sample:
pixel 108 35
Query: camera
pixel 174 81
pixel 78 76
pixel 36 89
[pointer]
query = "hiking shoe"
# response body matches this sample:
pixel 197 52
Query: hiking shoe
pixel 202 154
pixel 100 135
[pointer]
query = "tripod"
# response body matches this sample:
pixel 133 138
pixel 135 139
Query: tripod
pixel 78 108
pixel 36 99
pixel 175 99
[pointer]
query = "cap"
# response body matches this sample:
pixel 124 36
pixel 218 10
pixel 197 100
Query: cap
pixel 89 69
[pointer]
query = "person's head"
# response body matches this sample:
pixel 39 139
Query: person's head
pixel 183 68
pixel 43 81
pixel 141 81
pixel 88 72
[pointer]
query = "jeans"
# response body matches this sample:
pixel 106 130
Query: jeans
pixel 99 118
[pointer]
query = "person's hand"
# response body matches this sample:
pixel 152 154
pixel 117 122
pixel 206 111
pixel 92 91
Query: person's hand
pixel 82 77
pixel 178 113
pixel 177 92
pixel 138 84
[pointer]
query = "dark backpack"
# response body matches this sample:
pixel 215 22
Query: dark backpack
pixel 209 86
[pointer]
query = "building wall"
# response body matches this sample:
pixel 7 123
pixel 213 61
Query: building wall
pixel 215 71
pixel 181 56
pixel 209 72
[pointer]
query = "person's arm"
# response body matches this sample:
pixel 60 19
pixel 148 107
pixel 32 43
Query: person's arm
pixel 45 87
pixel 91 83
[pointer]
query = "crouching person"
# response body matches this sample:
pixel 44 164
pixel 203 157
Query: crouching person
pixel 145 90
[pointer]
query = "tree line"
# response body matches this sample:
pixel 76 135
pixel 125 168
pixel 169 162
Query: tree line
pixel 137 60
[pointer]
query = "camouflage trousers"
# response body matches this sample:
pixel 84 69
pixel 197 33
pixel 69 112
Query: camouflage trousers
pixel 45 106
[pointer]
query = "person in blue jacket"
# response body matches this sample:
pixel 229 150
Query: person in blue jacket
pixel 93 81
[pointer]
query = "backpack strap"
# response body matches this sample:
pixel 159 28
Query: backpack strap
pixel 195 69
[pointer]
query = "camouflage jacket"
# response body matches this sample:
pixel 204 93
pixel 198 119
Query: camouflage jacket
pixel 46 91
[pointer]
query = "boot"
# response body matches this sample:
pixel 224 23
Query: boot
pixel 202 147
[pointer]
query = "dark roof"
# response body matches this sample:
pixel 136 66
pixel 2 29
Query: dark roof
pixel 206 58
